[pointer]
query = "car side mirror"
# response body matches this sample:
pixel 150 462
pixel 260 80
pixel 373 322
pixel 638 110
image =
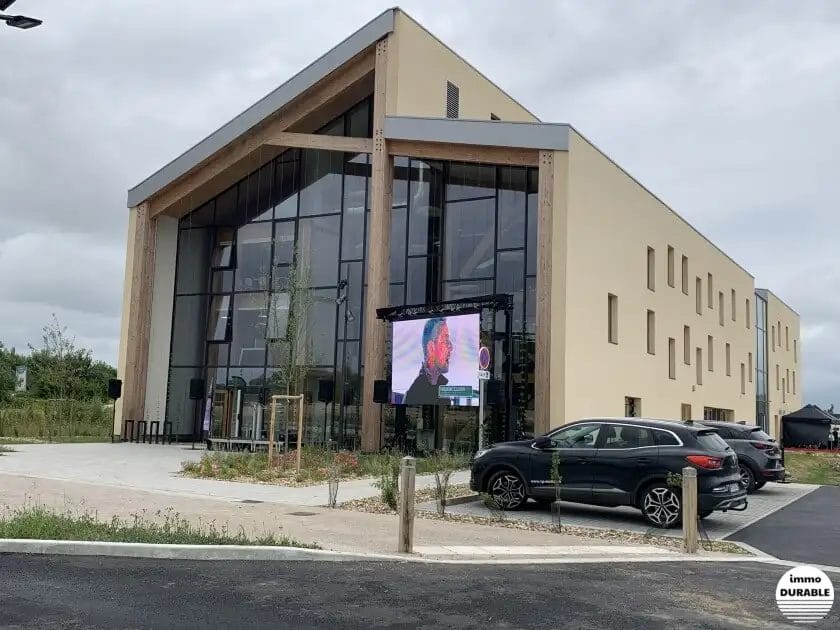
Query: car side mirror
pixel 542 443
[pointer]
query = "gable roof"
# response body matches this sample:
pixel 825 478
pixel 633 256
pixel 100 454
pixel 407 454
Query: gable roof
pixel 365 37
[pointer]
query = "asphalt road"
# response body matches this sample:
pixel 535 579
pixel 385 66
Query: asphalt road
pixel 77 592
pixel 807 530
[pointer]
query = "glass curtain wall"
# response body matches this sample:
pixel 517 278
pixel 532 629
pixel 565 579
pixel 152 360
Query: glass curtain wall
pixel 461 230
pixel 762 410
pixel 268 296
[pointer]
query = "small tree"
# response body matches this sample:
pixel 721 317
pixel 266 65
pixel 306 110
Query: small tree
pixel 556 481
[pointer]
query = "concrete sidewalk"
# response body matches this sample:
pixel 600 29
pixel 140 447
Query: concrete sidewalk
pixel 340 530
pixel 156 468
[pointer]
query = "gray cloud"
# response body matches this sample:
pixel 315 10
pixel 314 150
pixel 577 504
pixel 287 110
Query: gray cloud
pixel 726 110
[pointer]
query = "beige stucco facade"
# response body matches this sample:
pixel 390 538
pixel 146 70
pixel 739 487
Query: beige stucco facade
pixel 784 354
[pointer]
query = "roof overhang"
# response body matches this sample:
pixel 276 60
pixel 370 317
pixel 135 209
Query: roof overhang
pixel 356 43
pixel 496 133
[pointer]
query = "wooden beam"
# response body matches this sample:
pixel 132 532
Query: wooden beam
pixel 139 315
pixel 330 88
pixel 464 152
pixel 377 256
pixel 288 139
pixel 542 362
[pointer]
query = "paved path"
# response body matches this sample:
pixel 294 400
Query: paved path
pixel 807 530
pixel 718 526
pixel 50 592
pixel 156 467
pixel 341 530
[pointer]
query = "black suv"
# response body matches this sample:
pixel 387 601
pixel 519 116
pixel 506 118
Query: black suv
pixel 614 462
pixel 759 457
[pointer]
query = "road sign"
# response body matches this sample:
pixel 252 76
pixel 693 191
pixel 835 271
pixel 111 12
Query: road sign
pixel 483 375
pixel 455 391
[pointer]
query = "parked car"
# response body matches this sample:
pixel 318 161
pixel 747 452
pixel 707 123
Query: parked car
pixel 759 456
pixel 614 462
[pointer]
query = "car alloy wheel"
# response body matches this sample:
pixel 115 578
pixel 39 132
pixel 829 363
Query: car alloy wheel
pixel 507 490
pixel 661 506
pixel 747 478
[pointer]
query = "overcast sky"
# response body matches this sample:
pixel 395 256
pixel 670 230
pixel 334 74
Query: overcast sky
pixel 726 110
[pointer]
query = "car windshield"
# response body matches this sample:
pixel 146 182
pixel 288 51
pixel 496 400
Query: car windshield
pixel 711 441
pixel 758 434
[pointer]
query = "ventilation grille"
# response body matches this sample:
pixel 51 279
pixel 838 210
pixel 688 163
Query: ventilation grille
pixel 452 100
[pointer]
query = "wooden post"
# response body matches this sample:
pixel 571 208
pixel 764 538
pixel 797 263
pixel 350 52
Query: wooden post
pixel 300 430
pixel 542 362
pixel 689 509
pixel 271 432
pixel 407 470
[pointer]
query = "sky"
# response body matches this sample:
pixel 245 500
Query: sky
pixel 727 110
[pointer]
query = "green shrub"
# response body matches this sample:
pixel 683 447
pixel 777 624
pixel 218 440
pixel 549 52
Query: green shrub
pixel 25 417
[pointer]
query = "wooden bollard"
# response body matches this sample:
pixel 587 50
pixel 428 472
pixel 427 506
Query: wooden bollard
pixel 408 469
pixel 689 509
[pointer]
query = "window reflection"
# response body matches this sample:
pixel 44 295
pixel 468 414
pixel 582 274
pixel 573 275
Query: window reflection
pixel 470 226
pixel 253 256
pixel 247 345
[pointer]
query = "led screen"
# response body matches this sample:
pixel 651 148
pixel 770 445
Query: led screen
pixel 434 361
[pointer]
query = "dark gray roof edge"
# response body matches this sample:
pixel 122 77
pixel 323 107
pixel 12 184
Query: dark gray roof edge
pixel 764 295
pixel 498 133
pixel 659 199
pixel 330 61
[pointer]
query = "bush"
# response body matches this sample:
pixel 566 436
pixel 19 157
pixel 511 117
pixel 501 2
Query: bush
pixel 46 419
pixel 388 484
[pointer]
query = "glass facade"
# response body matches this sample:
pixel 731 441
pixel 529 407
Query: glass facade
pixel 268 296
pixel 762 410
pixel 458 231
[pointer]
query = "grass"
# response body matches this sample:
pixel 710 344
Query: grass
pixel 56 439
pixel 814 467
pixel 315 466
pixel 42 523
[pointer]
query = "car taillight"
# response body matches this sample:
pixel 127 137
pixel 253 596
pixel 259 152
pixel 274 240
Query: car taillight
pixel 706 461
pixel 763 446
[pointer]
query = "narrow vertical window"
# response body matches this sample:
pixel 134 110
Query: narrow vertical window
pixel 787 340
pixel 729 360
pixel 651 269
pixel 685 275
pixel 612 318
pixel 711 356
pixel 747 314
pixel 687 345
pixel 699 361
pixel 784 393
pixel 651 332
pixel 710 285
pixel 779 334
pixel 743 380
pixel 773 334
pixel 787 378
pixel 777 377
pixel 750 367
pixel 453 100
pixel 720 307
pixel 670 266
pixel 794 351
pixel 698 289
pixel 794 382
pixel 672 358
pixel 734 309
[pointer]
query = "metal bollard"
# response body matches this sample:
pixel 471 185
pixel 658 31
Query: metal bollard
pixel 408 469
pixel 689 509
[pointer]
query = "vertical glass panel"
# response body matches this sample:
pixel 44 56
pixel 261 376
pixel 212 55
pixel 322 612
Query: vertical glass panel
pixel 467 289
pixel 512 210
pixel 401 173
pixel 218 327
pixel 510 278
pixel 531 305
pixel 253 257
pixel 416 281
pixel 353 234
pixel 227 211
pixel 318 249
pixel 533 215
pixel 470 239
pixel 319 323
pixel 249 328
pixel 356 173
pixel 321 182
pixel 255 194
pixel 187 345
pixel 223 249
pixel 202 217
pixel 354 273
pixel 426 193
pixel 397 255
pixel 223 281
pixel 217 353
pixel 193 260
pixel 284 191
pixel 180 410
pixel 284 242
pixel 395 294
pixel 358 120
pixel 467 180
pixel 278 316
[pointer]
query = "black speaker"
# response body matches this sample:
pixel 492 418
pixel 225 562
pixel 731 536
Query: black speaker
pixel 196 388
pixel 381 392
pixel 494 392
pixel 325 391
pixel 114 388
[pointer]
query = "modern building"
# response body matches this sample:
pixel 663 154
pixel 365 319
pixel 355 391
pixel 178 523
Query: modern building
pixel 391 172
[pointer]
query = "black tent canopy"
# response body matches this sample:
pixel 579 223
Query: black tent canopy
pixel 807 427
